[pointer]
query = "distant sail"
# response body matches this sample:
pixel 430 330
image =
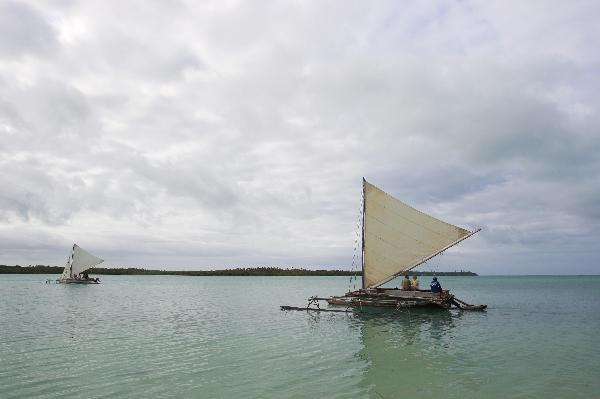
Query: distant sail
pixel 79 261
pixel 398 237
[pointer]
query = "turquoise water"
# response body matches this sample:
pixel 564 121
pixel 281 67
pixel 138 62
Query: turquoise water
pixel 225 337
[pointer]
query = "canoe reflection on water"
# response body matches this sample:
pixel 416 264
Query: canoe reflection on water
pixel 410 353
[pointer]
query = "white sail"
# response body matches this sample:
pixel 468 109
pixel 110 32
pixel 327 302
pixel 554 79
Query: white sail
pixel 397 237
pixel 67 270
pixel 79 261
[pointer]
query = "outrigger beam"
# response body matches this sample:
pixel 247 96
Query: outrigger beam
pixel 285 307
pixel 393 276
pixel 314 300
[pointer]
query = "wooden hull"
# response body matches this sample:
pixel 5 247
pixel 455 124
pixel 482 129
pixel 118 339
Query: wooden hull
pixel 390 298
pixel 75 281
pixel 393 298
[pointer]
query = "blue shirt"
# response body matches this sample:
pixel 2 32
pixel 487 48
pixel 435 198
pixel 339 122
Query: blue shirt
pixel 435 286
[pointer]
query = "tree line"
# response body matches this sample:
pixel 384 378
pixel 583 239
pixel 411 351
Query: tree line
pixel 249 271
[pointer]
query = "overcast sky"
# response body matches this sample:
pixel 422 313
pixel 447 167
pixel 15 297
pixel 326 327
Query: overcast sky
pixel 201 135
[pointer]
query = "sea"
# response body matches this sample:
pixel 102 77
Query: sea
pixel 226 337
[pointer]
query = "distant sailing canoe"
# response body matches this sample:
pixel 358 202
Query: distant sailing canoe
pixel 79 262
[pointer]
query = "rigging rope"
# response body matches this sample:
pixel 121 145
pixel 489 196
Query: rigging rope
pixel 357 247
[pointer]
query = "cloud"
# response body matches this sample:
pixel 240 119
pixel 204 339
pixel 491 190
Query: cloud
pixel 184 135
pixel 24 31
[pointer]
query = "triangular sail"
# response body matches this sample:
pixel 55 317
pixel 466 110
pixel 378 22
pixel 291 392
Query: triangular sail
pixel 397 237
pixel 67 270
pixel 79 261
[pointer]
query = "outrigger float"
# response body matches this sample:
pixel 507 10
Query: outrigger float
pixel 395 238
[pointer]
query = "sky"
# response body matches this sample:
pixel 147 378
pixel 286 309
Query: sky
pixel 215 134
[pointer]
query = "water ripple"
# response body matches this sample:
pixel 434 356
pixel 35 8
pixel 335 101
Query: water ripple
pixel 165 336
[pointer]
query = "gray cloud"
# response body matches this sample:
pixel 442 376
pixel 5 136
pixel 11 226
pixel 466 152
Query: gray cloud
pixel 183 135
pixel 24 30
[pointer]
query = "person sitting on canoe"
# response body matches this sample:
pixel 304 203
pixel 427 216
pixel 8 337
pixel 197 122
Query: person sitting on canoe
pixel 406 283
pixel 435 285
pixel 415 283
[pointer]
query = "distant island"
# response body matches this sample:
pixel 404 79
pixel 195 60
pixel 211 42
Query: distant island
pixel 250 271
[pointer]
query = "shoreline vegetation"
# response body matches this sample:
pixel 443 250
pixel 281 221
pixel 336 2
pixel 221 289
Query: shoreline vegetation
pixel 250 271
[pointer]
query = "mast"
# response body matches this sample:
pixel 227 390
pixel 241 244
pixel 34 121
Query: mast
pixel 362 240
pixel 71 260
